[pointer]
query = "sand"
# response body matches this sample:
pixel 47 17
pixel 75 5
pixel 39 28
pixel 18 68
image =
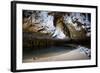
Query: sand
pixel 76 54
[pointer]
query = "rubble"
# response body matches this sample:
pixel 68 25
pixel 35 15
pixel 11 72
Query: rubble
pixel 85 50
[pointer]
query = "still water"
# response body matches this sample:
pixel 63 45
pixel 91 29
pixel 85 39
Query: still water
pixel 30 55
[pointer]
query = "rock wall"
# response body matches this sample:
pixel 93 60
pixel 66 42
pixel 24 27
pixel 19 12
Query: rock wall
pixel 61 25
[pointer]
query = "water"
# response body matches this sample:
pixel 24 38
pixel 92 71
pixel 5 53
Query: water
pixel 45 52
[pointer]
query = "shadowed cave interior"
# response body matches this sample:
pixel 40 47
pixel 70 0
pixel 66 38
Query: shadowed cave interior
pixel 56 36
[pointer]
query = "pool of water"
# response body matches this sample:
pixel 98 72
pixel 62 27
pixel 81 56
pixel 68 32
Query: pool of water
pixel 45 52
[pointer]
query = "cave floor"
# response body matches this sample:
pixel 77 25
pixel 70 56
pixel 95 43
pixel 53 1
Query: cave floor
pixel 53 54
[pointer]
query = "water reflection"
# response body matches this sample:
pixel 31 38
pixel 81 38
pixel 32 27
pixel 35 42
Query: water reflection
pixel 30 55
